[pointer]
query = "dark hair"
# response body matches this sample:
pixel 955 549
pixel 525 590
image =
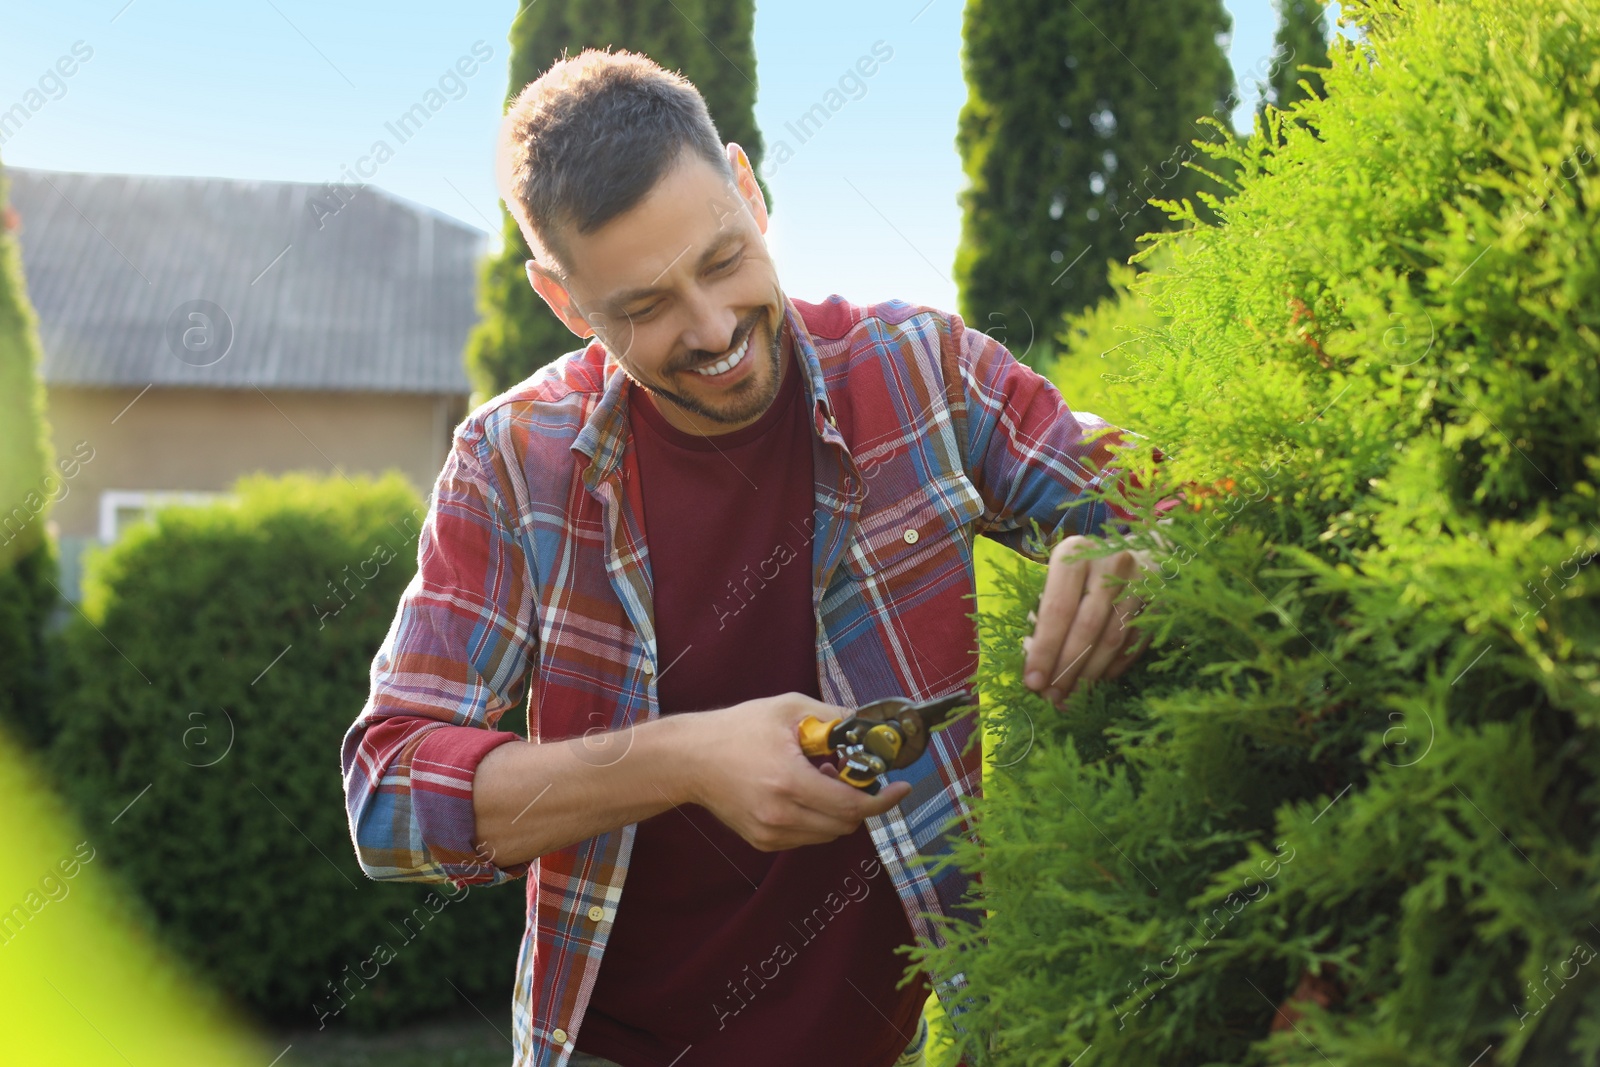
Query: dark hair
pixel 588 138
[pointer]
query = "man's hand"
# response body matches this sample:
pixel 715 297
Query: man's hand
pixel 1081 630
pixel 753 777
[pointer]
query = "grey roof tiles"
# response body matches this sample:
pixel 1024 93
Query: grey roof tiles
pixel 343 289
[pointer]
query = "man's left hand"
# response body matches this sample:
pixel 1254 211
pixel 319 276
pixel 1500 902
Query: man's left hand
pixel 1081 630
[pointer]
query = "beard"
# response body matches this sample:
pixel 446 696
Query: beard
pixel 742 402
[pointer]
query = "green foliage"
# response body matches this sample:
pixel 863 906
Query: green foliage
pixel 1099 345
pixel 27 596
pixel 710 42
pixel 24 444
pixel 225 652
pixel 1301 41
pixel 1077 115
pixel 28 565
pixel 1345 811
pixel 74 952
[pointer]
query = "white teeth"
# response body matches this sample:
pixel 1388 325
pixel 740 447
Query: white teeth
pixel 727 364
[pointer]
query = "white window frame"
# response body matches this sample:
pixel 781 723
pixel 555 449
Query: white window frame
pixel 113 501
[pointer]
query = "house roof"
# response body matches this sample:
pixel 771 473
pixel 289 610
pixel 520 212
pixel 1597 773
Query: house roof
pixel 345 289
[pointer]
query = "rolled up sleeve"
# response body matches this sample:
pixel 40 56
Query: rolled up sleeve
pixel 457 656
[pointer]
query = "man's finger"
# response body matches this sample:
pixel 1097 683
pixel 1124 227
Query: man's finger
pixel 806 824
pixel 829 796
pixel 1088 630
pixel 1063 589
pixel 1114 638
pixel 1096 623
pixel 1129 655
pixel 888 797
pixel 844 813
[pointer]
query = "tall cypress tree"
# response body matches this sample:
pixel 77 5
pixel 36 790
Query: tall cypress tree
pixel 711 42
pixel 28 486
pixel 1301 41
pixel 1078 114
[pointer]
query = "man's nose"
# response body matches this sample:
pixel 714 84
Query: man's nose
pixel 711 325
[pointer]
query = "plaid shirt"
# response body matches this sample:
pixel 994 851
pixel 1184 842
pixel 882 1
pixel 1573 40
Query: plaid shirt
pixel 532 565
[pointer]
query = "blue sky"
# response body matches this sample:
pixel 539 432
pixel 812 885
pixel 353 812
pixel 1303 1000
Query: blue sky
pixel 299 91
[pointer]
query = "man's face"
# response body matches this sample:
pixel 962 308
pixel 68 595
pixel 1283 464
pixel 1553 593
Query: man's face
pixel 683 281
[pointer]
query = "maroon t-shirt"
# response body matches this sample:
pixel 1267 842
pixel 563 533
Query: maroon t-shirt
pixel 737 955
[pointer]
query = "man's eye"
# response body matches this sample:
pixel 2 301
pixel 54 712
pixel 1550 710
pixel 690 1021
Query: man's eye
pixel 644 311
pixel 718 268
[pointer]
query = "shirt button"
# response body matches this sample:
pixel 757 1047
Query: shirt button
pixel 910 537
pixel 648 668
pixel 559 1036
pixel 596 912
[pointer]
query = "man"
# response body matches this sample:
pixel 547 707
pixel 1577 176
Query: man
pixel 728 511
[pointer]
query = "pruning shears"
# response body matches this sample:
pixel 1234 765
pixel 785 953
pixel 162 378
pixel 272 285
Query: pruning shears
pixel 882 736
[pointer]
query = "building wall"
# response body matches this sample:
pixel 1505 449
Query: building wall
pixel 202 439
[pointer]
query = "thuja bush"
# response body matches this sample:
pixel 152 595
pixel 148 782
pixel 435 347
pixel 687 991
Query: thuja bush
pixel 1096 347
pixel 222 653
pixel 1345 811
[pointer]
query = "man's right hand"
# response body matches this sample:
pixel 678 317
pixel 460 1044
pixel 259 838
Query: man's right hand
pixel 750 773
pixel 742 763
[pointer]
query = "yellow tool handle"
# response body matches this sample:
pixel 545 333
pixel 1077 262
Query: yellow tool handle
pixel 814 736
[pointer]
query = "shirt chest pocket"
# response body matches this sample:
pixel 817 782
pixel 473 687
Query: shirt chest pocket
pixel 922 533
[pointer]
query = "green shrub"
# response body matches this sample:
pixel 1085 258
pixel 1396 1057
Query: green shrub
pixel 199 738
pixel 1346 811
pixel 27 598
pixel 1098 347
pixel 28 486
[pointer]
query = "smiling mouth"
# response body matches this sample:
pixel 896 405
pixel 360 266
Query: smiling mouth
pixel 727 363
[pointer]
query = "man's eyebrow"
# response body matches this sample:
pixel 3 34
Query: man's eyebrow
pixel 617 302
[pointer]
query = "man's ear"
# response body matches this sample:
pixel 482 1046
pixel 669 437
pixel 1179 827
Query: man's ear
pixel 744 177
pixel 555 294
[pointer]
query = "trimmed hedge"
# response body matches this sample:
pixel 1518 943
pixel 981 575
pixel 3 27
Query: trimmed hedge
pixel 199 737
pixel 1346 811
